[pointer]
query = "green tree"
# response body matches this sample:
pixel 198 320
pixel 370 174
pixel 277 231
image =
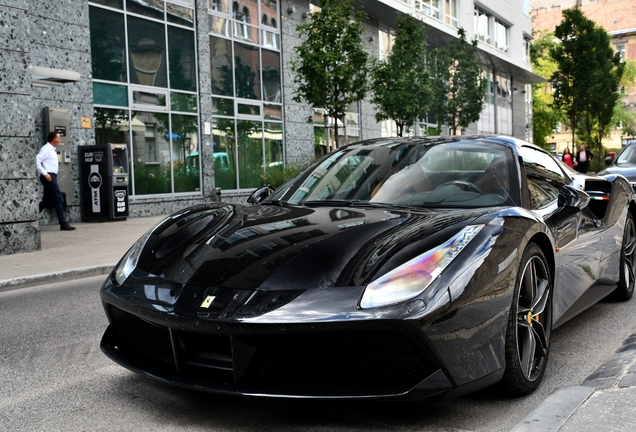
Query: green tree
pixel 623 116
pixel 331 70
pixel 587 77
pixel 545 116
pixel 625 119
pixel 401 83
pixel 459 92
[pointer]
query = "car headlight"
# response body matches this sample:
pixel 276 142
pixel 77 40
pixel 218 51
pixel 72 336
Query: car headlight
pixel 414 276
pixel 129 261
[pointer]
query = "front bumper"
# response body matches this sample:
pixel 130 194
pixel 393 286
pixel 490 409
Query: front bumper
pixel 327 360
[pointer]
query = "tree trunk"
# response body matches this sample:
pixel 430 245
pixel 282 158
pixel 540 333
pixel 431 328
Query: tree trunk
pixel 335 133
pixel 327 133
pixel 344 125
pixel 573 128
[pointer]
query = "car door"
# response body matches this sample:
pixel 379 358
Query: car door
pixel 575 232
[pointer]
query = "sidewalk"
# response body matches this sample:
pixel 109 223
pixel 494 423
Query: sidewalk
pixel 604 401
pixel 92 249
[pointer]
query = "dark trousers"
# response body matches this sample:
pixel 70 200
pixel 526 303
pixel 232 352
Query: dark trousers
pixel 582 167
pixel 53 196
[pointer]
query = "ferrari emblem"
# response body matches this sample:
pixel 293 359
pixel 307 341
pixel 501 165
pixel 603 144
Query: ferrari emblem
pixel 207 302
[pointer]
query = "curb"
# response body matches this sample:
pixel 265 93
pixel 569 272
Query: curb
pixel 555 410
pixel 59 276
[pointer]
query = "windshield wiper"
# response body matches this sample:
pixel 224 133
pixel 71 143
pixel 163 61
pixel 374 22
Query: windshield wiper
pixel 276 202
pixel 345 203
pixel 378 204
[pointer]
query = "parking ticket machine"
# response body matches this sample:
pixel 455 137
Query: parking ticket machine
pixel 59 120
pixel 104 181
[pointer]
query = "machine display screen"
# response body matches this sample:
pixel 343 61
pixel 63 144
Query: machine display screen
pixel 120 160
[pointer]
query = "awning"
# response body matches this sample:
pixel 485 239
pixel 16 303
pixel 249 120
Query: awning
pixel 45 77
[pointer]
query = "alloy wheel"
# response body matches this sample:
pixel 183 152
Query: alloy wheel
pixel 534 318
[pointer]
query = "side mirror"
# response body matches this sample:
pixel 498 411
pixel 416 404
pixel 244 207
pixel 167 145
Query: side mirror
pixel 260 194
pixel 570 197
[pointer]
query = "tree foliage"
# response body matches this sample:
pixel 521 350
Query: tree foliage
pixel 401 88
pixel 458 96
pixel 545 117
pixel 587 77
pixel 623 116
pixel 331 70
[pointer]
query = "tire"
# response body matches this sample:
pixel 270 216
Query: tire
pixel 625 288
pixel 529 324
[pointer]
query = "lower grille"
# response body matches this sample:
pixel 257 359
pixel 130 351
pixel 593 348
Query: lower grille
pixel 148 342
pixel 374 362
pixel 353 361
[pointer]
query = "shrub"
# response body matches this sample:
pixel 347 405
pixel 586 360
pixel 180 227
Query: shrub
pixel 279 174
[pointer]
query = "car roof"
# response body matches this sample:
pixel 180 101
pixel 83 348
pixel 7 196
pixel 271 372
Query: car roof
pixel 498 139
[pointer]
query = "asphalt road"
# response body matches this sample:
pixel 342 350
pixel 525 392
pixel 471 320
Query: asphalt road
pixel 54 377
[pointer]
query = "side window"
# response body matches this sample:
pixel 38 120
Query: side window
pixel 544 177
pixel 542 193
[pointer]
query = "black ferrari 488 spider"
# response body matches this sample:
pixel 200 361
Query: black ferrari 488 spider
pixel 407 267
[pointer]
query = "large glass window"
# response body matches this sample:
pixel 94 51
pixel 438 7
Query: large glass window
pixel 180 15
pixel 486 122
pixel 250 153
pixel 482 26
pixel 111 126
pixel 148 8
pixel 218 5
pixel 501 36
pixel 108 94
pixel 147 52
pixel 451 13
pixel 108 45
pixel 224 158
pixel 140 54
pixel 247 88
pixel 247 74
pixel 273 135
pixel 428 7
pixel 222 66
pixel 386 41
pixel 503 102
pixel 185 150
pixel 272 91
pixel 183 74
pixel 151 147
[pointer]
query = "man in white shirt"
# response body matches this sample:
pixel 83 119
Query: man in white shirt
pixel 47 165
pixel 583 158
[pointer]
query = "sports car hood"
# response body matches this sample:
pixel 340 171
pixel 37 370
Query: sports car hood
pixel 275 247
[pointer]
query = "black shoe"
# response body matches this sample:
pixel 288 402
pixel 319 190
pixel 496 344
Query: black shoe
pixel 67 227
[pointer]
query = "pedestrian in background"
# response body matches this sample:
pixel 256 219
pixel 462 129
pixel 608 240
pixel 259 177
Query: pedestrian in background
pixel 568 159
pixel 48 165
pixel 583 158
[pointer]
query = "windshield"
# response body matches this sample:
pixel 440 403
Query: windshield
pixel 627 156
pixel 441 174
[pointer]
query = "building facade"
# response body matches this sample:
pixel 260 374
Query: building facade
pixel 618 17
pixel 201 92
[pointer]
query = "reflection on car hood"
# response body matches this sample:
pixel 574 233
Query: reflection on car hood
pixel 627 170
pixel 273 247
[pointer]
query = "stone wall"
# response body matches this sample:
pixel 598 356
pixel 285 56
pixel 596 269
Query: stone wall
pixel 299 133
pixel 18 182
